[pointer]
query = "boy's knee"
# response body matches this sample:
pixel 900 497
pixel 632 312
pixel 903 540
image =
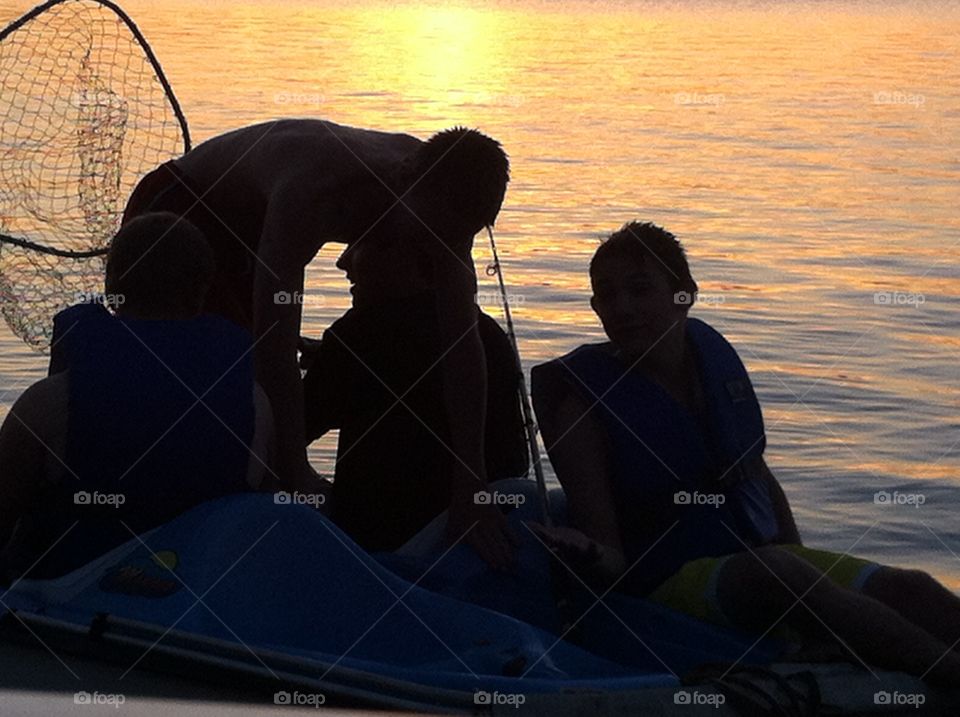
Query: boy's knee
pixel 901 581
pixel 787 571
pixel 769 583
pixel 760 577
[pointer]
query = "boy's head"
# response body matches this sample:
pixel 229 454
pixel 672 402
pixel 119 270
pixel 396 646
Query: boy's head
pixel 642 285
pixel 161 265
pixel 455 184
pixel 384 267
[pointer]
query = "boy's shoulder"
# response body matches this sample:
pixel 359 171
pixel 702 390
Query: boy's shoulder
pixel 44 397
pixel 42 410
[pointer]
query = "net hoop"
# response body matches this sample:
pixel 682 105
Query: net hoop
pixel 161 76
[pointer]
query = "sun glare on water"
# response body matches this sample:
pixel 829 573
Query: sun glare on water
pixel 436 57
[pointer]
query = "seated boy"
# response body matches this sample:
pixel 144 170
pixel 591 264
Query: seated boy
pixel 376 376
pixel 147 412
pixel 658 440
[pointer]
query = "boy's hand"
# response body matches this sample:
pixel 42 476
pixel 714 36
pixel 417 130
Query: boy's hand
pixel 309 349
pixel 486 530
pixel 597 565
pixel 569 544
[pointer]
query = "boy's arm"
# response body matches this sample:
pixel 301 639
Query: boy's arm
pixel 579 453
pixel 327 387
pixel 781 506
pixel 287 245
pixel 23 455
pixel 463 369
pixel 262 450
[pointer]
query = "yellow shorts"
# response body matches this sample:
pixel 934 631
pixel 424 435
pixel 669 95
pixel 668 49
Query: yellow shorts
pixel 693 589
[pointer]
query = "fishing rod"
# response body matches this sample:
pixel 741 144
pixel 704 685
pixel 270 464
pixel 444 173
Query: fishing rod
pixel 563 587
pixel 529 424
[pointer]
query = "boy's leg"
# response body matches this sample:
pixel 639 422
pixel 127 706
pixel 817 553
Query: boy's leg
pixel 921 599
pixel 465 392
pixel 914 594
pixel 760 588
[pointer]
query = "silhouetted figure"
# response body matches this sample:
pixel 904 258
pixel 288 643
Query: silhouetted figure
pixel 269 196
pixel 658 439
pixel 376 377
pixel 147 412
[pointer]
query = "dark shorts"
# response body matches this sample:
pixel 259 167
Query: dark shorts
pixel 232 237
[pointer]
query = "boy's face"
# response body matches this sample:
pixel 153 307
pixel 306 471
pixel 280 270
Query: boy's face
pixel 635 302
pixel 381 271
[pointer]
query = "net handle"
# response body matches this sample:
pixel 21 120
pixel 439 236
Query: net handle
pixel 52 251
pixel 141 40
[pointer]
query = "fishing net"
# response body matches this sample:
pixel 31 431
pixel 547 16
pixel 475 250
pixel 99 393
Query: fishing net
pixel 85 111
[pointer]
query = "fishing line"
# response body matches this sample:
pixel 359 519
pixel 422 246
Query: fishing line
pixel 528 421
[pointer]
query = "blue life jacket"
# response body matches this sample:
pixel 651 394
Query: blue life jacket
pixel 159 412
pixel 666 466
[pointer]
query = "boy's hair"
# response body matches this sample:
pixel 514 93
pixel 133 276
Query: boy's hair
pixel 161 265
pixel 639 241
pixel 463 175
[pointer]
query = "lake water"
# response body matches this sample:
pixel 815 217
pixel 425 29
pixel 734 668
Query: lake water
pixel 808 156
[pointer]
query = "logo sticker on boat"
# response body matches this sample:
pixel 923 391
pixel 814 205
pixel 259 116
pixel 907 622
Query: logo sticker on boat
pixel 150 577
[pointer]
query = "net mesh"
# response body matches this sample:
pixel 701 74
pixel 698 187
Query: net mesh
pixel 84 113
